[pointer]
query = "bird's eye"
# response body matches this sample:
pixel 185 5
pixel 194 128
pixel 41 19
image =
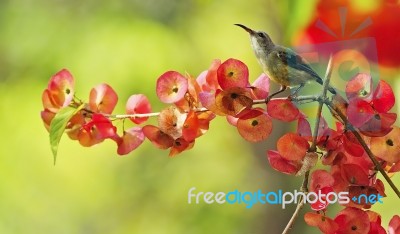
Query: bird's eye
pixel 260 34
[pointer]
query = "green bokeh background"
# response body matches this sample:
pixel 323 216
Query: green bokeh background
pixel 128 44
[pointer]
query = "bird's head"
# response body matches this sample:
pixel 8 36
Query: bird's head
pixel 260 41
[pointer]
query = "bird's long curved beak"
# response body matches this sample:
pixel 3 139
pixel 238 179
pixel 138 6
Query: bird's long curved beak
pixel 251 31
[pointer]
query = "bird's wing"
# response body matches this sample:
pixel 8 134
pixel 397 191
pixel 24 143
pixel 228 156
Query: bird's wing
pixel 295 61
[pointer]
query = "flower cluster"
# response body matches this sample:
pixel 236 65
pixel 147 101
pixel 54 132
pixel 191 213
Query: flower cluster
pixel 91 124
pixel 350 168
pixel 352 220
pixel 225 90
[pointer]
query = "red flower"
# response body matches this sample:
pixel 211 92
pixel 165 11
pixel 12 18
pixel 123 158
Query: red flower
pixel 352 220
pixel 367 109
pixel 96 131
pixel 103 99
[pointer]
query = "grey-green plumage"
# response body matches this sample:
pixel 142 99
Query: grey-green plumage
pixel 281 64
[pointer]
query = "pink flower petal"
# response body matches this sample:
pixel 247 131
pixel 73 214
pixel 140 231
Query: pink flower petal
pixel 260 87
pixel 61 88
pixel 138 104
pixel 103 99
pixel 171 87
pixel 131 139
pixel 233 73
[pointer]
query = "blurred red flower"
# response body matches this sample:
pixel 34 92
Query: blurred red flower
pixel 381 23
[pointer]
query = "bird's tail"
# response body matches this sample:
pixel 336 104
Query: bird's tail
pixel 332 90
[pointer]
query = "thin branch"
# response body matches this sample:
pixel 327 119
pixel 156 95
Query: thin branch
pixel 297 99
pixel 300 205
pixel 133 115
pixel 255 102
pixel 304 186
pixel 203 109
pixel 325 86
pixel 295 214
pixel 313 147
pixel 145 114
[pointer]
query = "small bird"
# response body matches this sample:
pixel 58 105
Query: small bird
pixel 281 64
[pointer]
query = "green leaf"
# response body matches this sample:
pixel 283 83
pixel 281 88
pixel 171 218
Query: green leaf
pixel 58 125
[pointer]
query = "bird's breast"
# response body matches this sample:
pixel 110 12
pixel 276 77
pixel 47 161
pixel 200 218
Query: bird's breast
pixel 277 71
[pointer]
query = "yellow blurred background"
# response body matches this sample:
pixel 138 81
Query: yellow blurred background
pixel 128 44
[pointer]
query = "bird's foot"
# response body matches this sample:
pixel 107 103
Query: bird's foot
pixel 283 88
pixel 292 97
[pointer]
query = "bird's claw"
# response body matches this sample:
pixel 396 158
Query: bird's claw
pixel 292 97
